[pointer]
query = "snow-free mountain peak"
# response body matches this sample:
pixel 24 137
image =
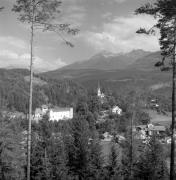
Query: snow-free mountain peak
pixel 106 60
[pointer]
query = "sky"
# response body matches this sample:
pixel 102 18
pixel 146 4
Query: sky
pixel 105 25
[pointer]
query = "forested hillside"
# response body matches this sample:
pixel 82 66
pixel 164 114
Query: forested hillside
pixel 14 91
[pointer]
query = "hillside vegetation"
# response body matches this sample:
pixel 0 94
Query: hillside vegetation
pixel 14 91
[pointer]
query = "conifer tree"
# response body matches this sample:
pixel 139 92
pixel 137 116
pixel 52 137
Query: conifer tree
pixel 114 166
pixel 12 153
pixel 95 160
pixel 91 121
pixel 40 167
pixel 48 153
pixel 164 11
pixel 78 148
pixel 127 167
pixel 82 108
pixel 40 15
pixel 151 163
pixel 58 159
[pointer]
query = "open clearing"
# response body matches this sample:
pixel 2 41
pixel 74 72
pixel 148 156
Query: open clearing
pixel 157 118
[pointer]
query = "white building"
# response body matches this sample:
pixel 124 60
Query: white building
pixel 58 113
pixel 99 93
pixel 116 110
pixel 38 115
pixel 40 112
pixel 44 109
pixel 107 136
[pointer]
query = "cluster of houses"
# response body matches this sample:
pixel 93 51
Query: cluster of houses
pixel 54 114
pixel 141 132
pixel 144 131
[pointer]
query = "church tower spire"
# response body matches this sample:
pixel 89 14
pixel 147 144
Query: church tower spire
pixel 98 90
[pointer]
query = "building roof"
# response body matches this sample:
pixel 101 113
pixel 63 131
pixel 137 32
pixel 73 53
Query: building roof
pixel 151 127
pixel 116 108
pixel 60 109
pixel 157 128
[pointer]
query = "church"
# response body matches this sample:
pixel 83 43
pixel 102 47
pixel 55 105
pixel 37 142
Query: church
pixel 99 93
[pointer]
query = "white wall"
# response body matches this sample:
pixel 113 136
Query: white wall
pixel 60 115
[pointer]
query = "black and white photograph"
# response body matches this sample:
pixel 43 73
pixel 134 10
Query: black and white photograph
pixel 87 89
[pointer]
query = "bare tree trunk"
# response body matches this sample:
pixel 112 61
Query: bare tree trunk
pixel 131 134
pixel 30 96
pixel 172 161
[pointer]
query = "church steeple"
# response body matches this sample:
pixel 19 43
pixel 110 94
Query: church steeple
pixel 99 93
pixel 98 90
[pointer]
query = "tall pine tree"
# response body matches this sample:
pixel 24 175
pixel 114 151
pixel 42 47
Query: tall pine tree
pixel 114 165
pixel 96 160
pixel 78 148
pixel 40 15
pixel 164 11
pixel 12 153
pixel 151 163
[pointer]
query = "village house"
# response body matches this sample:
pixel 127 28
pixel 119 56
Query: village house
pixel 119 138
pixel 116 110
pixel 143 131
pixel 107 136
pixel 44 109
pixel 151 129
pixel 59 113
pixel 140 132
pixel 40 112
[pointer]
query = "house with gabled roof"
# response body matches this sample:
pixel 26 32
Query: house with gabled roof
pixel 116 110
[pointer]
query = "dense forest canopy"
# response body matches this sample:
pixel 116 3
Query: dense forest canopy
pixel 14 91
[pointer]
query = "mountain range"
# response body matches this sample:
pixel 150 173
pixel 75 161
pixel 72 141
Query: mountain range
pixel 118 71
pixel 137 59
pixel 113 69
pixel 109 61
pixel 123 64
